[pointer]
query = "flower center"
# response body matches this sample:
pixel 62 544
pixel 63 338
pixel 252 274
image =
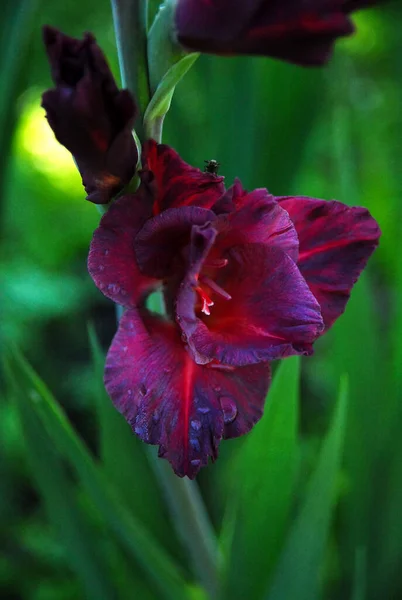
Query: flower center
pixel 206 281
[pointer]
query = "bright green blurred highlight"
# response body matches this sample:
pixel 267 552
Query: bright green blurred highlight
pixel 35 138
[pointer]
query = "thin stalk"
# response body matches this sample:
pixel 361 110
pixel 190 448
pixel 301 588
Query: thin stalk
pixel 130 25
pixel 191 522
pixel 183 497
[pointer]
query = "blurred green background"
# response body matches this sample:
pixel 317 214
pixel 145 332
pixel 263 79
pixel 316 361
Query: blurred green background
pixel 309 504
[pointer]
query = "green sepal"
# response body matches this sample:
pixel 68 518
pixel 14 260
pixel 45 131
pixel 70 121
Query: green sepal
pixel 167 64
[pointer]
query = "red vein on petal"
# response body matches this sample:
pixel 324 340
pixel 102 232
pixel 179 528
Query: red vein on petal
pixel 188 389
pixel 323 248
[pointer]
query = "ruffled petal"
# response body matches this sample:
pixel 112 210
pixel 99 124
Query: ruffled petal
pixel 256 218
pixel 169 400
pixel 335 243
pixel 111 261
pixel 268 312
pixel 159 245
pixel 177 183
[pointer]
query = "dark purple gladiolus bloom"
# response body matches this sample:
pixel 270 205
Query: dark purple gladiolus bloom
pixel 246 278
pixel 89 115
pixel 298 31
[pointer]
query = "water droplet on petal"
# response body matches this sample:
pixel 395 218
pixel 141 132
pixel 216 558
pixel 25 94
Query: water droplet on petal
pixel 156 416
pixel 229 409
pixel 183 337
pixel 106 252
pixel 167 370
pixel 178 318
pixel 196 425
pixel 203 410
pixel 143 390
pixel 129 393
pixel 113 288
pixel 139 430
pixel 195 444
pixel 196 462
pixel 217 388
pixel 101 268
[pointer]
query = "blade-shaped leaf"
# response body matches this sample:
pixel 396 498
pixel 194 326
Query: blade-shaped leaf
pixel 162 572
pixel 261 496
pixel 78 539
pixel 298 571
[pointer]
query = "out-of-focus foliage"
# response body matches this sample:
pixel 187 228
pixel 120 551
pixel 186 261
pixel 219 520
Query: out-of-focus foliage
pixel 308 505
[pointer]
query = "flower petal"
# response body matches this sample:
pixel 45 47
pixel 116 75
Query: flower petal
pixel 256 218
pixel 335 243
pixel 159 244
pixel 177 183
pixel 271 313
pixel 296 31
pixel 111 261
pixel 171 401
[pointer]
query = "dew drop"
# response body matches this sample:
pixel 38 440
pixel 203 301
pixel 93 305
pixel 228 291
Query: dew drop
pixel 195 444
pixel 196 425
pixel 178 319
pixel 129 393
pixel 106 252
pixel 196 462
pixel 167 370
pixel 203 410
pixel 156 416
pixel 143 390
pixel 139 430
pixel 113 288
pixel 229 409
pixel 183 337
pixel 217 388
pixel 101 268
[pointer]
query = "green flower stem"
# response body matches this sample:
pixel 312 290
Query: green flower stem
pixel 183 497
pixel 130 24
pixel 191 521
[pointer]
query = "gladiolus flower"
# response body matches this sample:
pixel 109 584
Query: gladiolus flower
pixel 246 279
pixel 293 30
pixel 89 115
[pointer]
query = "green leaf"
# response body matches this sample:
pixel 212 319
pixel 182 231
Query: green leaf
pixel 299 567
pixel 161 571
pixel 356 351
pixel 161 100
pixel 78 538
pixel 167 63
pixel 261 498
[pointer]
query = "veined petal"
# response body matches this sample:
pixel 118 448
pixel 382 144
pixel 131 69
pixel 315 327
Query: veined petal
pixel 335 243
pixel 160 243
pixel 256 218
pixel 271 313
pixel 111 261
pixel 169 400
pixel 177 183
